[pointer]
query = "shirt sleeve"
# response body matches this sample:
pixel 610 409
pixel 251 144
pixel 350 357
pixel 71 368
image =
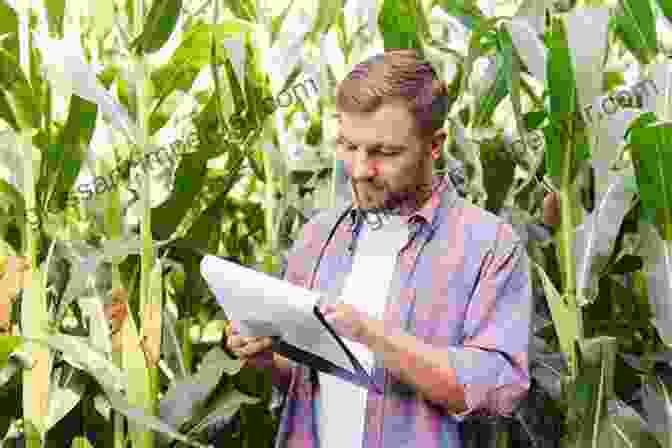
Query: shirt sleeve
pixel 492 362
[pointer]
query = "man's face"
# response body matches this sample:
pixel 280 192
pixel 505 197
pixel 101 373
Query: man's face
pixel 386 161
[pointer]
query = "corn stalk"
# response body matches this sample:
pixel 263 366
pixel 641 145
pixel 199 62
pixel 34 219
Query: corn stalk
pixel 113 217
pixel 143 375
pixel 34 316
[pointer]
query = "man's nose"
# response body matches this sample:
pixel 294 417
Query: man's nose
pixel 363 167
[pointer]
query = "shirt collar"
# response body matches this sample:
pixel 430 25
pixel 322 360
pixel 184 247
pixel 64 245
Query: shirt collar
pixel 425 213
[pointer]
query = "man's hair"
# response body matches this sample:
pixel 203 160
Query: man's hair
pixel 396 74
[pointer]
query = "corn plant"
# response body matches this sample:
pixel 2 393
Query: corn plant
pixel 115 323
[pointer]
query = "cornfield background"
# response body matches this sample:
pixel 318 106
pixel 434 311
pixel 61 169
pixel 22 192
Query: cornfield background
pixel 116 340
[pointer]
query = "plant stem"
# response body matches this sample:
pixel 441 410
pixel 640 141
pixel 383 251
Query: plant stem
pixel 566 243
pixel 34 313
pixel 146 379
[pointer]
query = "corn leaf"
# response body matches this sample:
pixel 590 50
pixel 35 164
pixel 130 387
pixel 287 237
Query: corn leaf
pixel 64 398
pixel 17 94
pixel 64 159
pixel 242 9
pixel 636 27
pixel 666 8
pixel 223 409
pixel 529 47
pixel 186 398
pixel 466 11
pixel 560 72
pixel 628 429
pixel 139 389
pixel 502 84
pixel 159 25
pixel 55 15
pixel 193 54
pixel 327 13
pixel 657 402
pixel 9 21
pixel 589 393
pixel 564 318
pixel 85 357
pixel 80 442
pixel 587 32
pixel 7 345
pixel 139 417
pixel 657 255
pixel 68 72
pixel 595 237
pixel 651 147
pixel 398 23
pixel 171 347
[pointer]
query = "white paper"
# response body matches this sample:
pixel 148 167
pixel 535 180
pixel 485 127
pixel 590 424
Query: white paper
pixel 268 306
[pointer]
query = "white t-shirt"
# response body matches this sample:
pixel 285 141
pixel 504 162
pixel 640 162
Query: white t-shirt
pixel 343 405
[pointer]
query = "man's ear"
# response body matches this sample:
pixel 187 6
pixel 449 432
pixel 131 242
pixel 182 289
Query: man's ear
pixel 439 138
pixel 436 144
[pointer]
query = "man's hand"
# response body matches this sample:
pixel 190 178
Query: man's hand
pixel 250 349
pixel 349 322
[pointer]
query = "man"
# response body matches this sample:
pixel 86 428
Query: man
pixel 435 292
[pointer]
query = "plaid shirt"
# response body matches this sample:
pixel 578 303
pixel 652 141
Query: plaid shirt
pixel 461 282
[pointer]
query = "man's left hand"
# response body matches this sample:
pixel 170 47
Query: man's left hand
pixel 349 322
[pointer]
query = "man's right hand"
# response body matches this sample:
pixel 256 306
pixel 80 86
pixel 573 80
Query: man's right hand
pixel 254 350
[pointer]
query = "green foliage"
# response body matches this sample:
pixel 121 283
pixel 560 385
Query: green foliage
pixel 159 25
pixel 636 27
pixel 650 143
pixel 19 106
pixel 55 15
pixel 398 22
pixel 7 345
pixel 501 87
pixel 229 197
pixel 466 11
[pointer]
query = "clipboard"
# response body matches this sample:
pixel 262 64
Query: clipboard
pixel 360 378
pixel 235 286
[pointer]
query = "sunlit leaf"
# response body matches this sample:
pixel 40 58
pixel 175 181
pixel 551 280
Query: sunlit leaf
pixel 7 345
pixel 565 318
pixel 140 417
pixel 223 409
pixel 398 23
pixel 466 11
pixel 80 442
pixel 159 25
pixel 529 47
pixel 193 54
pixel 17 94
pixel 635 25
pixel 587 32
pixel 501 86
pixel 595 237
pixel 666 8
pixel 657 254
pixel 657 401
pixel 63 399
pixel 94 362
pixel 55 14
pixel 69 73
pixel 187 397
pixel 651 147
pixel 560 72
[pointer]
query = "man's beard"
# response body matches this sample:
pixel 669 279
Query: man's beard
pixel 393 202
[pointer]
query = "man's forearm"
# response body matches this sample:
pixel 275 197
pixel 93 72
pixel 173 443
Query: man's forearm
pixel 419 364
